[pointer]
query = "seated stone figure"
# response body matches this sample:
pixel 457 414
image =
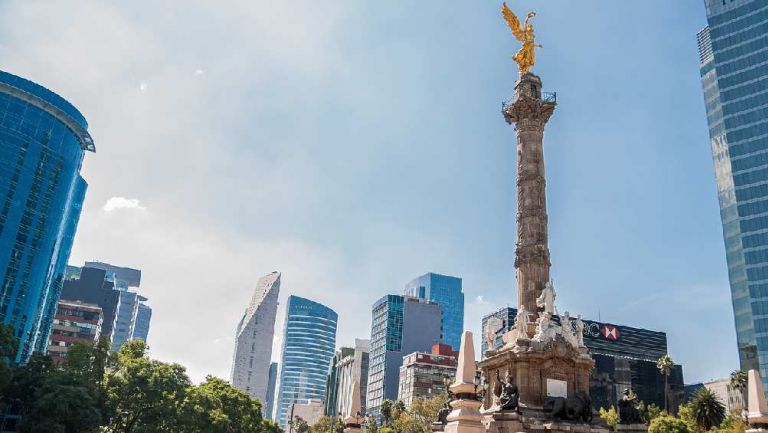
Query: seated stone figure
pixel 508 394
pixel 442 414
pixel 628 412
pixel 576 408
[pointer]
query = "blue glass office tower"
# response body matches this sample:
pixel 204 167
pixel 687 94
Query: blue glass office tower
pixel 400 325
pixel 309 342
pixel 733 50
pixel 446 292
pixel 43 139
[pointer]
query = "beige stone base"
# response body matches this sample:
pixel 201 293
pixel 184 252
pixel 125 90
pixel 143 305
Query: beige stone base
pixel 511 422
pixel 631 428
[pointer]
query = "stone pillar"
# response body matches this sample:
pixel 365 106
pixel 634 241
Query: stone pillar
pixel 465 417
pixel 530 113
pixel 757 407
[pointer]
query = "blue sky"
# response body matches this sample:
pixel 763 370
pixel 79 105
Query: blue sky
pixel 356 145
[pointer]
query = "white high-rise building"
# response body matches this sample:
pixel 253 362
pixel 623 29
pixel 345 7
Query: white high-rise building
pixel 253 341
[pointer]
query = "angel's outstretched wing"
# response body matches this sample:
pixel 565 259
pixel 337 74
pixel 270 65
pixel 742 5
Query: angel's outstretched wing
pixel 513 22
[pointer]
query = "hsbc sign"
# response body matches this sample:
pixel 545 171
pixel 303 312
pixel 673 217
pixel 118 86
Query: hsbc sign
pixel 599 330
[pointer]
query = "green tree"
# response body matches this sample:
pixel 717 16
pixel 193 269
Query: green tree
pixel 217 407
pixel 398 408
pixel 668 424
pixel 386 411
pixel 649 412
pixel 665 364
pixel 733 424
pixel 328 424
pixel 8 346
pixel 739 380
pixel 144 395
pixel 298 425
pixel 610 416
pixel 371 426
pixel 708 411
pixel 61 405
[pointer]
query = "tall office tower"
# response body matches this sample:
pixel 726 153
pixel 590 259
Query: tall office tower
pixel 309 340
pixel 349 371
pixel 734 75
pixel 133 311
pixel 143 319
pixel 75 322
pixel 253 339
pixel 446 291
pixel 332 382
pixel 43 140
pixel 126 318
pixel 269 403
pixel 93 287
pixel 401 325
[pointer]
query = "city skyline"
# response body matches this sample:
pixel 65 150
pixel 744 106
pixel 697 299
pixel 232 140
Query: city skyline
pixel 616 180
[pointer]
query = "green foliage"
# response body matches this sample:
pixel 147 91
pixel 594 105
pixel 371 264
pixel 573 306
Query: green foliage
pixel 327 424
pixel 62 405
pixel 387 430
pixel 708 411
pixel 610 416
pixel 143 394
pixel 668 424
pixel 649 412
pixel 732 424
pixel 685 413
pixel 298 425
pixel 739 380
pixel 386 411
pixel 95 391
pixel 217 407
pixel 8 346
pixel 371 426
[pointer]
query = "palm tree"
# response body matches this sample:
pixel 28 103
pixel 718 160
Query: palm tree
pixel 708 410
pixel 739 381
pixel 665 364
pixel 386 411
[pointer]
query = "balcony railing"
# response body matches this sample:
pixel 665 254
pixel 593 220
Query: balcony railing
pixel 546 97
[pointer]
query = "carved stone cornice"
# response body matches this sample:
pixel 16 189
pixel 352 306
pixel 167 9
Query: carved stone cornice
pixel 528 113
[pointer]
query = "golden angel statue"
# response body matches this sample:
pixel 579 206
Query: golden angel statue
pixel 526 57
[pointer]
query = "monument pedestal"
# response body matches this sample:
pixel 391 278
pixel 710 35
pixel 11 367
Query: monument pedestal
pixel 631 428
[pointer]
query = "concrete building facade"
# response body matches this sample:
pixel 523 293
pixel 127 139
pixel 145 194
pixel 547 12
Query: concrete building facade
pixel 252 357
pixel 425 375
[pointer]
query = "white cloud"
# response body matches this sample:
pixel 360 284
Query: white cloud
pixel 115 203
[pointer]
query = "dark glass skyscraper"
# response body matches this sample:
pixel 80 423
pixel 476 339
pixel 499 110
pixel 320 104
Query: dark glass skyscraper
pixel 309 342
pixel 734 75
pixel 446 292
pixel 43 139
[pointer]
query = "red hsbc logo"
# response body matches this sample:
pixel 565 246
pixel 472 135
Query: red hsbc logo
pixel 610 332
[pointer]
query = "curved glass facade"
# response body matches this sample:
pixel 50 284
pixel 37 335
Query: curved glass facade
pixel 309 342
pixel 43 139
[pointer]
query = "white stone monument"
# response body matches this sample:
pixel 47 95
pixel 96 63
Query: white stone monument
pixel 352 419
pixel 757 413
pixel 465 417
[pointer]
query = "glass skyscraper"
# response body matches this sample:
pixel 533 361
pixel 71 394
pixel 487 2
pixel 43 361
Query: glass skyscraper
pixel 400 325
pixel 309 342
pixel 43 140
pixel 446 292
pixel 733 50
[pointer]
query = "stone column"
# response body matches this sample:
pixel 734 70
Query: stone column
pixel 530 113
pixel 465 417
